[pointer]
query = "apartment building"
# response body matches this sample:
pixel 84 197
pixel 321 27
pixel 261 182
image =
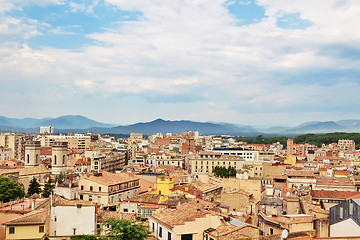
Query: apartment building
pixel 206 161
pixel 240 152
pixel 14 142
pixel 5 154
pixel 107 188
pixel 346 145
pixel 76 141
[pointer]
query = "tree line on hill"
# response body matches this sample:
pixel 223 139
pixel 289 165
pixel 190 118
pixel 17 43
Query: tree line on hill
pixel 315 139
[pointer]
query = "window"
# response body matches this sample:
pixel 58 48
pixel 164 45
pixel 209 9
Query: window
pixel 120 197
pixel 74 231
pixel 82 187
pixel 128 195
pixel 41 229
pixel 341 213
pixel 91 188
pixel 81 197
pixel 160 231
pixel 351 208
pixel 99 199
pixel 99 189
pixel 112 199
pixel 135 192
pixel 153 226
pixel 55 218
pixel 271 231
pixel 90 198
pixel 125 210
pixel 169 235
pixel 11 230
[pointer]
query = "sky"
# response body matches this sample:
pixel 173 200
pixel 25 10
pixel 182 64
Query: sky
pixel 254 62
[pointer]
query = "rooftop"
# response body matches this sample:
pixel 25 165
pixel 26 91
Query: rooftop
pixel 110 179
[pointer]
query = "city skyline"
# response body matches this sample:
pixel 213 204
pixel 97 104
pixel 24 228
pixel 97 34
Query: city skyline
pixel 245 62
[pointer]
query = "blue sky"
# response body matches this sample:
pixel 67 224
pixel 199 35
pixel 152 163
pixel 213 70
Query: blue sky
pixel 258 62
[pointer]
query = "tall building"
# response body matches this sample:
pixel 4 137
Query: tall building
pixel 188 146
pixel 347 145
pixel 14 142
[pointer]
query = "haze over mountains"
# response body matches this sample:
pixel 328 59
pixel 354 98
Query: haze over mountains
pixel 81 124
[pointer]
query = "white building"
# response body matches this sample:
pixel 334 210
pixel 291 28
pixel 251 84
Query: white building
pixel 68 218
pixel 48 129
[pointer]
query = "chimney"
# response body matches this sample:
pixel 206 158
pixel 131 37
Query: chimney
pixel 33 204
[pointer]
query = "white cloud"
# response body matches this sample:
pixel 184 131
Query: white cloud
pixel 182 46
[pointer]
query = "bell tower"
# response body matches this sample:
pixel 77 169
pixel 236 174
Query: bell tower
pixel 32 153
pixel 59 158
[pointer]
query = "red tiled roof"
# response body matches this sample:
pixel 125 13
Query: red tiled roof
pixel 333 194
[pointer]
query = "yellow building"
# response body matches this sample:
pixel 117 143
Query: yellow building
pixel 33 225
pixel 163 186
pixel 207 161
pixel 291 159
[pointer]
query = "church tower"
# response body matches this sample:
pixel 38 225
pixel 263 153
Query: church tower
pixel 59 158
pixel 32 153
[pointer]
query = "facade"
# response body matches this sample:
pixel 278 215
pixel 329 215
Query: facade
pixel 345 219
pixel 14 142
pixel 33 225
pixel 24 175
pixel 68 218
pixel 5 154
pixel 240 152
pixel 207 161
pixel 107 188
pixel 76 141
pixel 346 145
pixel 32 153
pixel 187 221
pixel 59 157
pixel 48 129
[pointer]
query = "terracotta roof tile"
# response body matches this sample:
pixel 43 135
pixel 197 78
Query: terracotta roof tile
pixel 332 194
pixel 34 217
pixel 109 179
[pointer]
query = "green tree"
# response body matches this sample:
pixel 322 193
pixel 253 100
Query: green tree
pixel 48 188
pixel 232 171
pixel 121 229
pixel 34 187
pixel 10 190
pixel 83 237
pixel 60 178
pixel 224 172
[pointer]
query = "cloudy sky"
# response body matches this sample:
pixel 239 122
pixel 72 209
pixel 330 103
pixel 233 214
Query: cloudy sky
pixel 124 61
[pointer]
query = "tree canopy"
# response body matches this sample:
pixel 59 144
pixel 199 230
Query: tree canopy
pixel 121 229
pixel 48 188
pixel 34 187
pixel 225 172
pixel 83 237
pixel 10 190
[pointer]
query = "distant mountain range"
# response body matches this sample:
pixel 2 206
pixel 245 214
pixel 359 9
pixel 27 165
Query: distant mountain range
pixel 63 122
pixel 81 124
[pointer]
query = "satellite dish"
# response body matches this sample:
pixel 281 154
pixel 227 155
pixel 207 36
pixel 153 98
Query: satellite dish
pixel 284 234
